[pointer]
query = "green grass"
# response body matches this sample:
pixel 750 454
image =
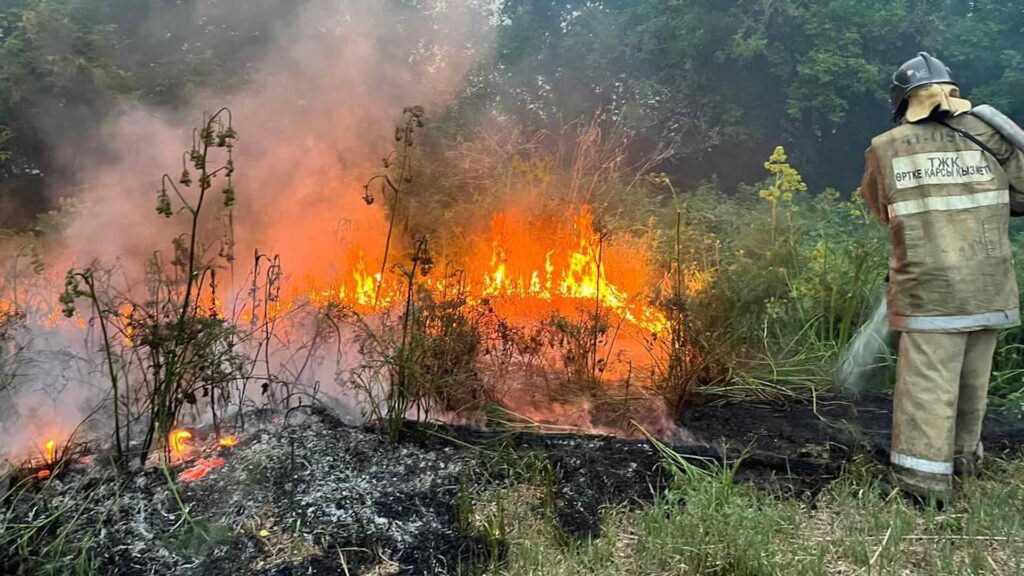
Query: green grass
pixel 708 524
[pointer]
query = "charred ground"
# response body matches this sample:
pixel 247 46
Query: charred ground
pixel 312 495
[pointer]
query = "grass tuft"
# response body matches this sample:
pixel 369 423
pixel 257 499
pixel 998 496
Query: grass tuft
pixel 706 523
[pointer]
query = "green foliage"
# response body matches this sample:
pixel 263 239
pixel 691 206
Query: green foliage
pixel 1007 386
pixel 846 254
pixel 51 51
pixel 784 182
pixel 65 65
pixel 707 523
pixel 783 295
pixel 719 83
pixel 742 76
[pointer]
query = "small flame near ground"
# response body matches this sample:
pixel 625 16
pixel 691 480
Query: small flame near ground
pixel 50 452
pixel 228 441
pixel 201 468
pixel 49 459
pixel 178 441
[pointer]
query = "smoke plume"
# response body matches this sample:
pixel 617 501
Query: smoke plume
pixel 314 119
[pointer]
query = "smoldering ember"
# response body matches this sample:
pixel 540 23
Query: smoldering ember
pixel 508 287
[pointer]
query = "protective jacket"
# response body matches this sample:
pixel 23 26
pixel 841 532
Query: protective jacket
pixel 947 204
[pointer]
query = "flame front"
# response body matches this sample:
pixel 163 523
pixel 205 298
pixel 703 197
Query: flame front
pixel 525 266
pixel 544 265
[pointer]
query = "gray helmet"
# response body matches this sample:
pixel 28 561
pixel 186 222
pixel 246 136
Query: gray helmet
pixel 920 70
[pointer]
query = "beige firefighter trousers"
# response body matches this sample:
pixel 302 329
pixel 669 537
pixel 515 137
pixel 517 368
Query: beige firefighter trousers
pixel 939 403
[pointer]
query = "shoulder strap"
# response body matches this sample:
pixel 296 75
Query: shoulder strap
pixel 972 138
pixel 1014 211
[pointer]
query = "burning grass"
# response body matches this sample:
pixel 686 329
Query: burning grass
pixel 546 295
pixel 526 267
pixel 540 317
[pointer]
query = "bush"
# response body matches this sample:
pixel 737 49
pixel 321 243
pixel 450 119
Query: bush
pixel 422 361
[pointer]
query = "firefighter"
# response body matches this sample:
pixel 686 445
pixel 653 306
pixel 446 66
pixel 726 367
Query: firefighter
pixel 943 180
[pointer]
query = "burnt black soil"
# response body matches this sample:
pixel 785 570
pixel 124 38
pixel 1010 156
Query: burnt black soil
pixel 793 449
pixel 316 496
pixel 830 428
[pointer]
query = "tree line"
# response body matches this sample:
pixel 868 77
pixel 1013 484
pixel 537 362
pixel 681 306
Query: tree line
pixel 706 87
pixel 723 81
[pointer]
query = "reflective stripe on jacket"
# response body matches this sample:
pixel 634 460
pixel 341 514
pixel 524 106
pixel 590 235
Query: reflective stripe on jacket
pixel 947 204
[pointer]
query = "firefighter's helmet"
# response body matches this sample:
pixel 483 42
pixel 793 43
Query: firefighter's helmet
pixel 921 70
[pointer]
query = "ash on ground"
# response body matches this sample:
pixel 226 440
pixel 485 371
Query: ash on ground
pixel 312 495
pixel 309 497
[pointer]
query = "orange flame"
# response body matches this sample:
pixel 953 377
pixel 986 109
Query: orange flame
pixel 178 440
pixel 50 451
pixel 126 311
pixel 523 266
pixel 560 267
pixel 528 266
pixel 202 467
pixel 365 291
pixel 228 441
